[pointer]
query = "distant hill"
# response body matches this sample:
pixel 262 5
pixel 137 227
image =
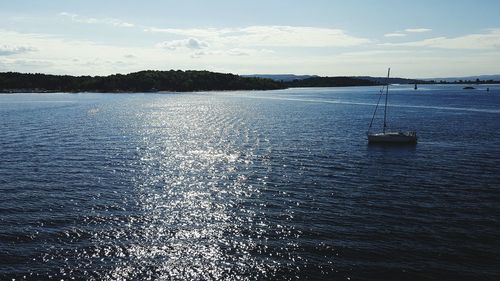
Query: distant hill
pixel 143 81
pixel 330 82
pixel 377 80
pixel 281 77
pixel 466 78
pixel 394 80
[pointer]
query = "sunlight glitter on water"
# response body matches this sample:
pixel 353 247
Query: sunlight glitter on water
pixel 191 193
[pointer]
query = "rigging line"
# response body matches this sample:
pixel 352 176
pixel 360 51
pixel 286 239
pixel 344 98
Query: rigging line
pixel 378 102
pixel 386 95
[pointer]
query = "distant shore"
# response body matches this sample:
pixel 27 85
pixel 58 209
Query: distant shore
pixel 161 81
pixel 143 81
pixel 184 81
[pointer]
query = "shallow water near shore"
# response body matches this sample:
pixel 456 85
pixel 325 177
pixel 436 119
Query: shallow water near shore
pixel 250 185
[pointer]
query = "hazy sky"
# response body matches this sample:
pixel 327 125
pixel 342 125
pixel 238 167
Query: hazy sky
pixel 417 39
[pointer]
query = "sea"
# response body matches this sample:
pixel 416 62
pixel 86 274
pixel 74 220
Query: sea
pixel 250 185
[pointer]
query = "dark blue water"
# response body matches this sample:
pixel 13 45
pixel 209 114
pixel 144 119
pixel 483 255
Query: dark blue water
pixel 249 186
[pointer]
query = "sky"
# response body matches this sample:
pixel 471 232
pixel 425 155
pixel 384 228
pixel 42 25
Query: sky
pixel 417 39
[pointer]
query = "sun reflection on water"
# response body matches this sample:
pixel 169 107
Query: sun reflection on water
pixel 197 219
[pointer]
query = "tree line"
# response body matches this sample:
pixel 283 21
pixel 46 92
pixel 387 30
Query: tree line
pixel 330 82
pixel 142 81
pixel 154 81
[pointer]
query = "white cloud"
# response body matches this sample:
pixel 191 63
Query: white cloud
pixel 59 55
pixel 394 35
pixel 191 43
pixel 489 40
pixel 239 52
pixel 31 64
pixel 418 30
pixel 234 52
pixel 408 30
pixel 270 36
pixel 89 20
pixel 6 50
pixel 193 32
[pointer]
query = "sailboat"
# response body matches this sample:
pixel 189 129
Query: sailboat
pixel 385 136
pixel 415 87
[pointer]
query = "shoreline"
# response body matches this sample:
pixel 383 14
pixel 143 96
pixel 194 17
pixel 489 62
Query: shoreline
pixel 37 91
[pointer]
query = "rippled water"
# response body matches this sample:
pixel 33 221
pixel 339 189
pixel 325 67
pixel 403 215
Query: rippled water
pixel 249 186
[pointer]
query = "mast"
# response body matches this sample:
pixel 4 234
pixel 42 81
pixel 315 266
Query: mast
pixel 386 93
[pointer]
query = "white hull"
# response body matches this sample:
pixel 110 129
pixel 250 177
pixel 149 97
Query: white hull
pixel 393 137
